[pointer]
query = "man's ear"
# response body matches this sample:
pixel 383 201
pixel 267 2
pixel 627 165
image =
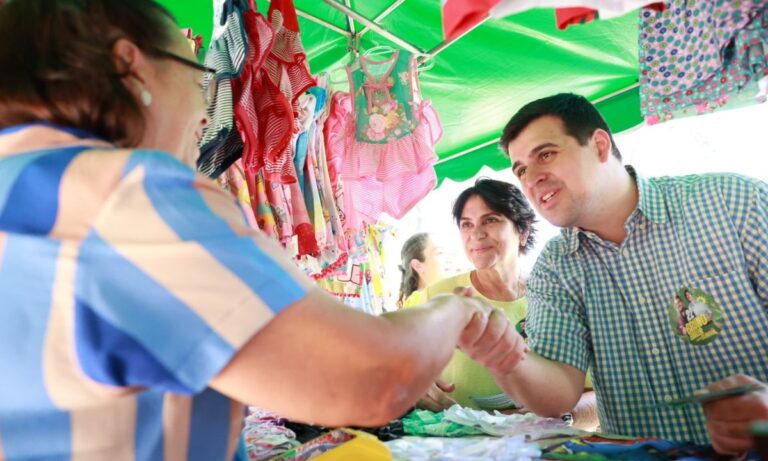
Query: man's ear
pixel 603 144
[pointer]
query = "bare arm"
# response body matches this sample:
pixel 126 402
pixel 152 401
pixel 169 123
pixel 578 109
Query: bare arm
pixel 585 412
pixel 322 362
pixel 546 387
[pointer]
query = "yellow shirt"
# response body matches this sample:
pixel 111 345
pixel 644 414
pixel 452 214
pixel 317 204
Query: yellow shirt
pixel 415 298
pixel 470 378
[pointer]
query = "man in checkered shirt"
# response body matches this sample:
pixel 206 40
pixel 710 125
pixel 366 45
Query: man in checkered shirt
pixel 602 293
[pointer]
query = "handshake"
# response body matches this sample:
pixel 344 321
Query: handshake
pixel 489 338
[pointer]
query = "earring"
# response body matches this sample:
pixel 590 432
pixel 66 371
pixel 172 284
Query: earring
pixel 146 97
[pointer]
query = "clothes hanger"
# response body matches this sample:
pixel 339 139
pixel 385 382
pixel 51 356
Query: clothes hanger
pixel 424 61
pixel 379 50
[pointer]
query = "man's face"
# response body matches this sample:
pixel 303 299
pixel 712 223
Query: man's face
pixel 555 172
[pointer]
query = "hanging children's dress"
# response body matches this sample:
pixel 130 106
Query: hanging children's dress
pixel 227 54
pixel 387 139
pixel 261 38
pixel 386 135
pixel 285 78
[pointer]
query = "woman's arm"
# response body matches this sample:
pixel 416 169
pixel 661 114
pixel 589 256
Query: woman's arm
pixel 321 362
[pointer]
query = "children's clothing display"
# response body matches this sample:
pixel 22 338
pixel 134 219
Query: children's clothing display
pixel 697 57
pixel 310 165
pixel 383 136
pixel 285 78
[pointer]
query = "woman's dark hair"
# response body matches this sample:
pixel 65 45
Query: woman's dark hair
pixel 58 66
pixel 506 199
pixel 413 248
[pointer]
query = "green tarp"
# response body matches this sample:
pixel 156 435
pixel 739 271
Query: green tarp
pixel 479 81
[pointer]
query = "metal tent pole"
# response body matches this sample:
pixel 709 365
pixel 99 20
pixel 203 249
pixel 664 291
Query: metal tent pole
pixel 495 140
pixel 373 26
pixel 350 21
pixel 445 44
pixel 616 93
pixel 382 15
pixel 322 22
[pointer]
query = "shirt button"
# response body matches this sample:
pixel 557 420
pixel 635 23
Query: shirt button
pixel 625 252
pixel 655 351
pixel 641 298
pixel 668 398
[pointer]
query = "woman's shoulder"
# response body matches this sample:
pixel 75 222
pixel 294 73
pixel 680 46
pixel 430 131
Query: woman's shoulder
pixel 447 285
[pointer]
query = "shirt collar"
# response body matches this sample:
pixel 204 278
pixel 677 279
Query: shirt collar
pixel 651 199
pixel 650 203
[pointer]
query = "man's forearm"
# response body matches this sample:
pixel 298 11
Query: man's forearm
pixel 543 386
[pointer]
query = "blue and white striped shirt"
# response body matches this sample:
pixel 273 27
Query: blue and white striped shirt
pixel 127 282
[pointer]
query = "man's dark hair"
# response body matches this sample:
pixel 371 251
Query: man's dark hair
pixel 506 199
pixel 579 117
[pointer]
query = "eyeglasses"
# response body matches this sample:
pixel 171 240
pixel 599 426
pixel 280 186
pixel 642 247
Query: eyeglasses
pixel 210 73
pixel 187 62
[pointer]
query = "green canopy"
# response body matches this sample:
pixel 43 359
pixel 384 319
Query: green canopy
pixel 481 79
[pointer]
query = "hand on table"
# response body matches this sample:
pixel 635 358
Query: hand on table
pixel 729 420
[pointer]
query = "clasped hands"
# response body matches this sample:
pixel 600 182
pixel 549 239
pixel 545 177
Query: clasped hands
pixel 490 339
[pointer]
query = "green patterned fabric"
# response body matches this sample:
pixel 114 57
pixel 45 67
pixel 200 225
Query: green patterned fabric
pixel 425 422
pixel 384 99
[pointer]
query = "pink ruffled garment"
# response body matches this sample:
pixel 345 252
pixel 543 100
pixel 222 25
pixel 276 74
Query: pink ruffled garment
pixel 337 242
pixel 401 155
pixel 389 187
pixel 334 133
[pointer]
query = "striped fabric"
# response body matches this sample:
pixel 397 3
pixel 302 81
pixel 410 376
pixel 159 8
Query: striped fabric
pixel 127 282
pixel 609 307
pixel 227 55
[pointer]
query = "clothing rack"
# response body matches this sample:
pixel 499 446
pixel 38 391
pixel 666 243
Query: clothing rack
pixel 374 24
pixel 344 6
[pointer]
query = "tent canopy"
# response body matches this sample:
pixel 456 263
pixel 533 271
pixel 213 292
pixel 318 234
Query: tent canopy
pixel 480 80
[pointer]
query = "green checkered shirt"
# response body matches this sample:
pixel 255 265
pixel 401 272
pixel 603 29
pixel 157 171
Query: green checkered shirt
pixel 607 307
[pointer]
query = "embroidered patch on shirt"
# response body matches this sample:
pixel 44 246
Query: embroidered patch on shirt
pixel 695 316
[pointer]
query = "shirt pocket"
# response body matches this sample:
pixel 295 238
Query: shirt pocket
pixel 737 326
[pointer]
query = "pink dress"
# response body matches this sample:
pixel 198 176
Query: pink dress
pixel 381 178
